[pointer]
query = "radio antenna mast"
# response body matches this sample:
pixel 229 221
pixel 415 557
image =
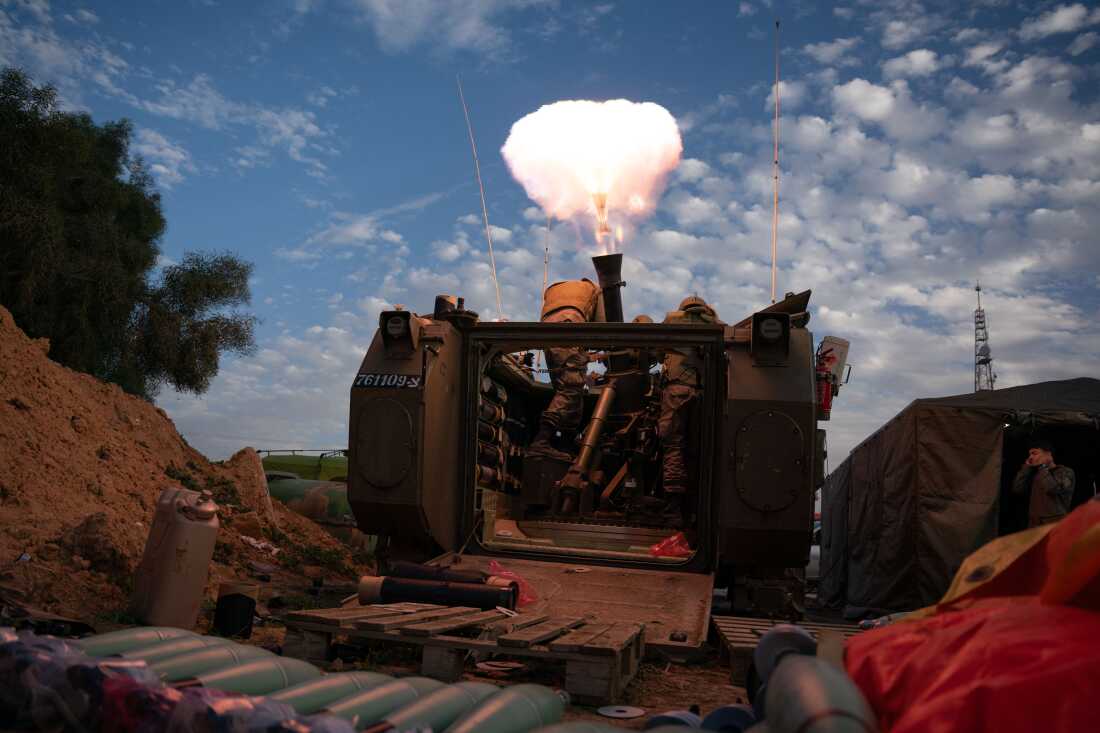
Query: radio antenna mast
pixel 481 188
pixel 546 260
pixel 775 162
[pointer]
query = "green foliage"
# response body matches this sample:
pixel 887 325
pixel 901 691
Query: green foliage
pixel 222 490
pixel 185 479
pixel 297 556
pixel 80 222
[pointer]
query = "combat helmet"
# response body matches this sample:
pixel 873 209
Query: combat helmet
pixel 693 302
pixel 695 307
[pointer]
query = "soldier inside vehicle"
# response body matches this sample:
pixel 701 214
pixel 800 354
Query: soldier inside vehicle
pixel 598 450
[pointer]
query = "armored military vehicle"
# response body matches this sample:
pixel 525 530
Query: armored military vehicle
pixel 445 405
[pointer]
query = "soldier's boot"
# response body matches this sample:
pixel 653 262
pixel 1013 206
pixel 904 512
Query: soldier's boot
pixel 541 447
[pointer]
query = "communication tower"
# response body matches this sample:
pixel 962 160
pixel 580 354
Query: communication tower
pixel 983 358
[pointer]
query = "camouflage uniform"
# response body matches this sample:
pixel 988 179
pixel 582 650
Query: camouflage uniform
pixel 682 378
pixel 572 301
pixel 1051 490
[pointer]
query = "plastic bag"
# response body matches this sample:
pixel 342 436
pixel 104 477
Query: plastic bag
pixel 48 683
pixel 527 594
pixel 675 545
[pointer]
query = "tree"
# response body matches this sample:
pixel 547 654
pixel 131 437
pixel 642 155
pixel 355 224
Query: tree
pixel 80 226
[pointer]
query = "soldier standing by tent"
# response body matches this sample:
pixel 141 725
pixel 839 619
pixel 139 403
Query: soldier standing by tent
pixel 571 301
pixel 1050 485
pixel 682 378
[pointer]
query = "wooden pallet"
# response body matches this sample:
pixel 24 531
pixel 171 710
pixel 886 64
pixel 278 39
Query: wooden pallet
pixel 600 658
pixel 740 634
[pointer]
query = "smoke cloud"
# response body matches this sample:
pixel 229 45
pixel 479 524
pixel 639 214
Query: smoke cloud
pixel 600 159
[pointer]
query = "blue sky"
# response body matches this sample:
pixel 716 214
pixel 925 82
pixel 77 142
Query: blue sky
pixel 924 147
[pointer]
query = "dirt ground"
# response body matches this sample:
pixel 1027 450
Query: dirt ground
pixel 81 467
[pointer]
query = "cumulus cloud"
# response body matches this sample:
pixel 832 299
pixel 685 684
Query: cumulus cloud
pixel 921 62
pixel 891 107
pixel 791 95
pixel 831 52
pixel 82 16
pixel 1063 19
pixel 1083 43
pixel 477 26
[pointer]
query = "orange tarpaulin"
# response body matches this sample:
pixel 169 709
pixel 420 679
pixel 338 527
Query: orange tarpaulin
pixel 1013 646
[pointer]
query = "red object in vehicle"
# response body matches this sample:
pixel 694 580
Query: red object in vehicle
pixel 675 545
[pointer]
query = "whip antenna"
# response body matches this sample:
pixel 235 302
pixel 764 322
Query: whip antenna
pixel 775 162
pixel 481 188
pixel 546 261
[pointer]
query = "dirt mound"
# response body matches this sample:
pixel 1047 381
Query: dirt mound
pixel 81 466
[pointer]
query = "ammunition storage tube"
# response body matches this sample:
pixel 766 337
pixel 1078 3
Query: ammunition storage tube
pixel 173 647
pixel 493 391
pixel 490 413
pixel 513 710
pixel 192 664
pixel 809 695
pixel 371 706
pixel 309 697
pixel 487 476
pixel 489 433
pixel 382 589
pixel 489 455
pixel 116 642
pixel 438 709
pixel 258 677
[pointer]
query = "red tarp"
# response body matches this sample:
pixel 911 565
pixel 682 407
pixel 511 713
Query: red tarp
pixel 996 657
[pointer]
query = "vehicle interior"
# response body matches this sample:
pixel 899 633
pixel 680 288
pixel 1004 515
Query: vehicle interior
pixel 607 501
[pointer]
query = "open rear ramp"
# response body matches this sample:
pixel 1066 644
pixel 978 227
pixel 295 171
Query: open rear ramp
pixel 673 606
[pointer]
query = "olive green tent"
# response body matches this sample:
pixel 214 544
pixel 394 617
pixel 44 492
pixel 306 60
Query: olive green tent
pixel 910 502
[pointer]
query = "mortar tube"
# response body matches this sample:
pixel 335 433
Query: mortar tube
pixel 309 697
pixel 609 270
pixel 257 677
pixel 191 664
pixel 174 647
pixel 594 430
pixel 438 709
pixel 369 707
pixel 116 642
pixel 515 709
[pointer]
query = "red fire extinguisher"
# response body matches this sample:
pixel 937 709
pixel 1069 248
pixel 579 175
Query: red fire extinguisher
pixel 825 381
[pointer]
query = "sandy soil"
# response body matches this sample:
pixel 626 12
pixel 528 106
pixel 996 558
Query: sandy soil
pixel 81 466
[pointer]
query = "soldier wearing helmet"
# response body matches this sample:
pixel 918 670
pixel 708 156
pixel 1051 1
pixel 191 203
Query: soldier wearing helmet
pixel 571 301
pixel 682 377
